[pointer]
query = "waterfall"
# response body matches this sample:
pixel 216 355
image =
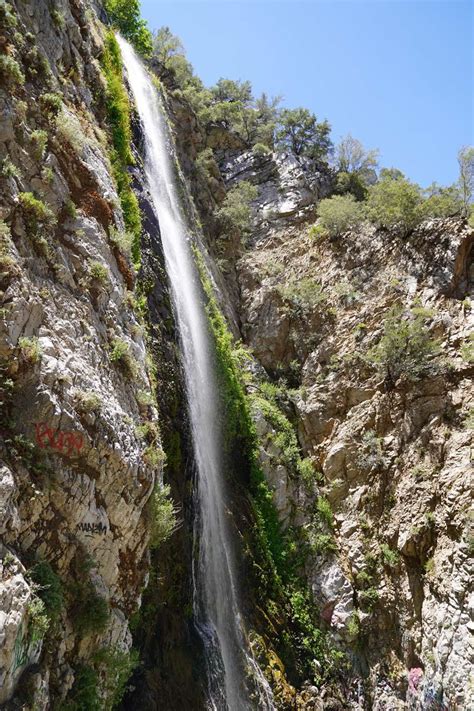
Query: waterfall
pixel 235 682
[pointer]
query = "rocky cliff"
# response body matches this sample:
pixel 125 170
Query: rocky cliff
pixel 355 363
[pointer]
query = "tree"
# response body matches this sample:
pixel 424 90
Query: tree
pixel 125 16
pixel 235 212
pixel 353 158
pixel 166 45
pixel 466 176
pixel 301 133
pixel 394 202
pixel 442 201
pixel 339 214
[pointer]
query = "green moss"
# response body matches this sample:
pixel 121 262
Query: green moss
pixel 279 554
pixel 118 114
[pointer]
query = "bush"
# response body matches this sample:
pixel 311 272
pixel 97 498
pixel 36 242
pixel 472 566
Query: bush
pixel 235 212
pixel 9 169
pixel 115 668
pixel 120 353
pixel 125 16
pixel 87 401
pixel 389 556
pixel 90 611
pixel 162 516
pixel 300 133
pixel 395 202
pixel 260 149
pixel 10 71
pixel 49 588
pixel 303 295
pixel 30 349
pixel 38 621
pixel 35 211
pixel 339 214
pixel 99 272
pixel 50 103
pixel 406 348
pixel 441 202
pixel 84 695
pixel 39 140
pixel 324 510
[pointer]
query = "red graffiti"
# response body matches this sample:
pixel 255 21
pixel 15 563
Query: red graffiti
pixel 64 442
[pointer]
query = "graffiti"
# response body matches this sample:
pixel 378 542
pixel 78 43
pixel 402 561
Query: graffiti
pixel 64 442
pixel 20 651
pixel 91 528
pixel 433 700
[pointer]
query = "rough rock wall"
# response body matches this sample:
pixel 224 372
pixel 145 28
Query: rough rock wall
pixel 74 474
pixel 394 459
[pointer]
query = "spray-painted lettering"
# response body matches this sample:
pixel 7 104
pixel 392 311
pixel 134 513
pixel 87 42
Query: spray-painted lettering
pixel 65 442
pixel 92 528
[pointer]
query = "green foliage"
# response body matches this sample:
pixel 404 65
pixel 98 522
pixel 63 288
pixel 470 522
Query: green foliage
pixel 39 141
pixel 125 16
pixel 115 667
pixel 260 149
pixel 300 133
pixel 353 625
pixel 302 296
pixel 163 516
pixel 354 160
pixel 123 240
pixel 118 114
pixel 467 349
pixel 369 598
pixel 49 588
pixel 35 211
pixel 87 401
pixel 9 169
pixel 84 695
pixel 389 556
pixel 235 212
pixel 395 202
pixel 38 621
pixel 90 611
pixel 406 348
pixel 323 507
pixel 339 214
pixel 441 202
pixel 10 71
pixel 370 454
pixel 50 103
pixel 99 272
pixel 30 349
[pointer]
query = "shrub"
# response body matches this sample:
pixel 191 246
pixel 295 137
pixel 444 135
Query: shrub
pixel 163 521
pixel 441 202
pixel 99 272
pixel 50 103
pixel 39 140
pixel 123 240
pixel 84 694
pixel 303 295
pixel 35 211
pixel 144 398
pixel 324 510
pixel 370 454
pixel 339 214
pixel 389 556
pixel 69 130
pixel 47 175
pixel 406 348
pixel 235 212
pixel 30 349
pixel 120 353
pixel 9 169
pixel 322 543
pixel 58 19
pixel 10 71
pixel 369 598
pixel 38 621
pixel 90 611
pixel 395 202
pixel 301 133
pixel 260 149
pixel 115 667
pixel 49 588
pixel 87 401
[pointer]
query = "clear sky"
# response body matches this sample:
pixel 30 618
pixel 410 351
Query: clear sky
pixel 397 74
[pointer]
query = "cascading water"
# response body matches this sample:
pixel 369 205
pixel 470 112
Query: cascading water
pixel 235 681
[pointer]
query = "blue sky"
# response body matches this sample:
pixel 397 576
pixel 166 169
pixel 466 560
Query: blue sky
pixel 397 74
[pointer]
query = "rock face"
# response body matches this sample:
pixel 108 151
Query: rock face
pixel 75 477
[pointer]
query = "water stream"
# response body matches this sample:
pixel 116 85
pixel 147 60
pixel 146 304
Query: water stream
pixel 235 682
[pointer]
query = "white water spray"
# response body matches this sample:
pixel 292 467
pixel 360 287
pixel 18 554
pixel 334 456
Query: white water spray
pixel 235 681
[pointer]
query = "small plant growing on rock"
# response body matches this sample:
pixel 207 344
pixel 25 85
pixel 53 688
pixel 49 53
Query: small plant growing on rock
pixel 302 296
pixel 35 211
pixel 99 273
pixel 50 103
pixel 324 510
pixel 144 398
pixel 85 691
pixel 369 598
pixel 39 141
pixel 9 169
pixel 389 556
pixel 90 612
pixel 115 667
pixel 120 353
pixel 163 516
pixel 38 621
pixel 370 455
pixel 88 401
pixel 10 71
pixel 30 349
pixel 234 214
pixel 49 588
